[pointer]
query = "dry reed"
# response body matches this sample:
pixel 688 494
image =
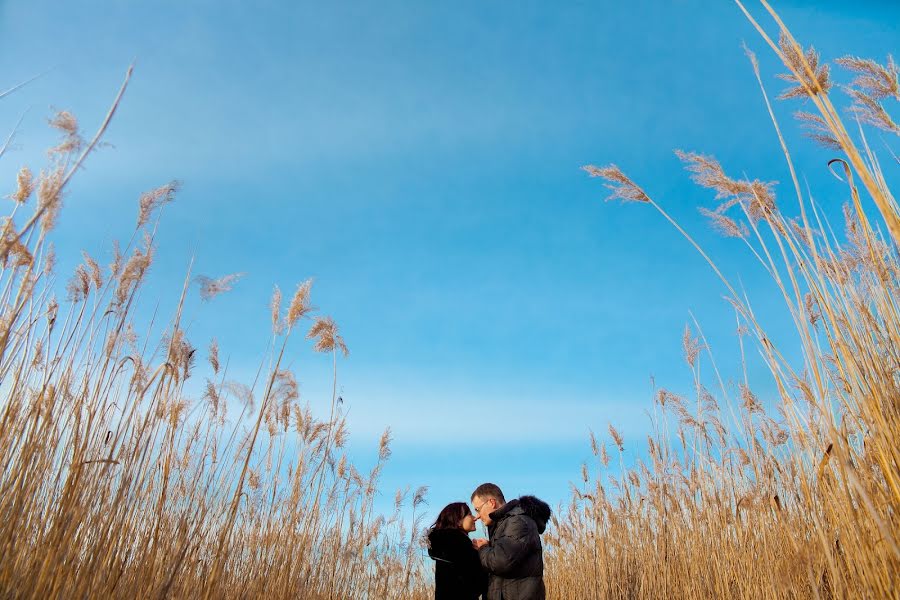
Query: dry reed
pixel 797 496
pixel 116 483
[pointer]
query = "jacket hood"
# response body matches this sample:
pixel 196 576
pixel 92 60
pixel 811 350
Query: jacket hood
pixel 537 509
pixel 440 542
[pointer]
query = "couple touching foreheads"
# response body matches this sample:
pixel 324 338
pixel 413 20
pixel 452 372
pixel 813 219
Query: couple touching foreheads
pixel 508 566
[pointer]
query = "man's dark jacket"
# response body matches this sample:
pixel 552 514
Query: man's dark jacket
pixel 457 573
pixel 514 558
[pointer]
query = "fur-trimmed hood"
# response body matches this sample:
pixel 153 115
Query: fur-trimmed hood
pixel 533 507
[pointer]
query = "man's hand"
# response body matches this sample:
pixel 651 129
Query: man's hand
pixel 480 543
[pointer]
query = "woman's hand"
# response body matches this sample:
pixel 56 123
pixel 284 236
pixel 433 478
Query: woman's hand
pixel 480 543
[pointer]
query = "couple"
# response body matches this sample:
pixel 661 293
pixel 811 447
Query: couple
pixel 508 566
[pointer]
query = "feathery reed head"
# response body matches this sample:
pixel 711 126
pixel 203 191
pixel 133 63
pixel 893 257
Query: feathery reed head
pixel 66 123
pixel 756 197
pixel 214 355
pixel 325 331
pixel 150 201
pixel 621 186
pixel 868 110
pixel 300 305
pixel 810 78
pixel 876 80
pixel 50 196
pixel 384 445
pixel 616 438
pixel 210 288
pixel 690 345
pixel 818 130
pixel 419 495
pixel 725 224
pixel 275 307
pixel 24 186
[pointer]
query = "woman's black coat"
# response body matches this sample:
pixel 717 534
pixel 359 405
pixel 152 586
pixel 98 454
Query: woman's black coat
pixel 457 571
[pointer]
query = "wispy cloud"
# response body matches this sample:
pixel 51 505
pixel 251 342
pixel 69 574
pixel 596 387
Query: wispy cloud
pixel 451 417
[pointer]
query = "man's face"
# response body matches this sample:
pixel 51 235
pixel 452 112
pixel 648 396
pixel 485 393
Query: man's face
pixel 483 508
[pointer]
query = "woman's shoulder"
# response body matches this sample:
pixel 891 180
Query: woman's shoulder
pixel 448 539
pixel 447 535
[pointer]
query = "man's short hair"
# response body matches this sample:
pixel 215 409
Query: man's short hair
pixel 489 490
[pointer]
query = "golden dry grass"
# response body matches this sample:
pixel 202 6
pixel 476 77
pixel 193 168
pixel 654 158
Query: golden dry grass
pixel 794 498
pixel 114 484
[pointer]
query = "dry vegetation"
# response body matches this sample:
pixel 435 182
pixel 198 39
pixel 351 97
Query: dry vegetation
pixel 793 498
pixel 113 483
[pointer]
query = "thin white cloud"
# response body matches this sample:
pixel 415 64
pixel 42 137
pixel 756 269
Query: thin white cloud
pixel 453 416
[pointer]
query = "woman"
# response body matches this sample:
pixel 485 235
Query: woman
pixel 457 571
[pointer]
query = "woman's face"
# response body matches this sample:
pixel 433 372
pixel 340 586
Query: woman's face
pixel 468 523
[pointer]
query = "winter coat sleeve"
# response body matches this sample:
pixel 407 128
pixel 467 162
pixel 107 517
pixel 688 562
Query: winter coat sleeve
pixel 509 549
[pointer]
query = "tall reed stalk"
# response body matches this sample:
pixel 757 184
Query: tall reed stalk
pixel 117 480
pixel 794 498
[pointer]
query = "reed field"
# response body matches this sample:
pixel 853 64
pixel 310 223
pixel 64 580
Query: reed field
pixel 800 498
pixel 116 485
pixel 119 480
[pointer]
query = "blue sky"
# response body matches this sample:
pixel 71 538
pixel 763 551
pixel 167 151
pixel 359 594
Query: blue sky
pixel 421 161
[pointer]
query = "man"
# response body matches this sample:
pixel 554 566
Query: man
pixel 513 557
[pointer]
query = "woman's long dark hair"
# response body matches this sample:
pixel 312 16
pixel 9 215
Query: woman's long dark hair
pixel 451 517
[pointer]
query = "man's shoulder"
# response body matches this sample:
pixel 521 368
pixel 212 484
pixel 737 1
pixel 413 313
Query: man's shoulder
pixel 516 519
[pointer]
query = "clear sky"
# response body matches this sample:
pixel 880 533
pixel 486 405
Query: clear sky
pixel 421 161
